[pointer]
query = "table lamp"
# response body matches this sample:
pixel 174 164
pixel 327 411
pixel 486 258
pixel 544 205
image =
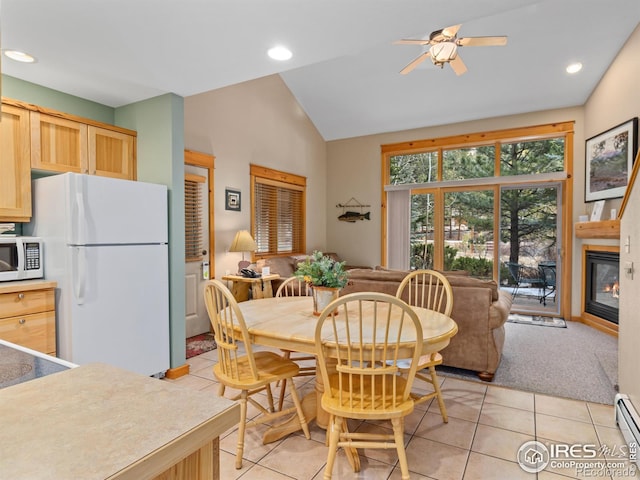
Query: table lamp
pixel 243 242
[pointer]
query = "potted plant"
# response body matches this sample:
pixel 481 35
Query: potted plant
pixel 325 276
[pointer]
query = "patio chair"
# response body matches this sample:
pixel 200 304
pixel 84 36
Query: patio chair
pixel 548 276
pixel 524 277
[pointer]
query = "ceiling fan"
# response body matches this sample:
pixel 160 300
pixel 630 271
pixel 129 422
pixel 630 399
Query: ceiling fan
pixel 444 48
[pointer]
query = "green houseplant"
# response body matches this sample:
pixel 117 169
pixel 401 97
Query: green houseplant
pixel 320 270
pixel 325 276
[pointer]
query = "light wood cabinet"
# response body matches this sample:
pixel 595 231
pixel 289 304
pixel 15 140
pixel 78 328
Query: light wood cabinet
pixel 64 145
pixel 15 167
pixel 58 144
pixel 111 153
pixel 27 315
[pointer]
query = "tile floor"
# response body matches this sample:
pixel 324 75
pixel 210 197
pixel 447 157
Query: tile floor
pixel 487 425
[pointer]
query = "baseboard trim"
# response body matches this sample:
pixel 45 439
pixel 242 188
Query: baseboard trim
pixel 177 372
pixel 598 323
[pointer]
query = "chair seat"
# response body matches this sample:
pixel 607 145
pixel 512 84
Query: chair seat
pixel 271 367
pixel 360 406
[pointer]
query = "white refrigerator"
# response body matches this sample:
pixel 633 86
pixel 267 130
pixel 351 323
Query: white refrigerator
pixel 106 244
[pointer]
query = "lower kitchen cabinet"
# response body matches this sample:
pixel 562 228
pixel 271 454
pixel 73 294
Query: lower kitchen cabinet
pixel 28 316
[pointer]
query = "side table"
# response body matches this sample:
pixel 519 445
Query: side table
pixel 260 286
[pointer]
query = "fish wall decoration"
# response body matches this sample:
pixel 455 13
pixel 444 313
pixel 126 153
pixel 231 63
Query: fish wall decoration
pixel 354 216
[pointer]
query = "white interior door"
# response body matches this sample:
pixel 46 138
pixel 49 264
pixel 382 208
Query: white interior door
pixel 196 318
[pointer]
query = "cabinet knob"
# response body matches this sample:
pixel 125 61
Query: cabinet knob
pixel 20 296
pixel 22 321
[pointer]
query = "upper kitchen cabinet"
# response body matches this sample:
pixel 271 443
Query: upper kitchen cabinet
pixel 111 153
pixel 58 144
pixel 61 142
pixel 15 179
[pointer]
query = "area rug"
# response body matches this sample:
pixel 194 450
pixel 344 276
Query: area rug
pixel 200 344
pixel 537 320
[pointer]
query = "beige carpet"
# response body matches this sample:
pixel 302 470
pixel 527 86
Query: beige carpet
pixel 577 362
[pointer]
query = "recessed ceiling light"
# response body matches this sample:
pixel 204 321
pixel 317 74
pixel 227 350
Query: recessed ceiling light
pixel 574 67
pixel 279 53
pixel 19 56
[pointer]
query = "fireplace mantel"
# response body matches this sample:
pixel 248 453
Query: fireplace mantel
pixel 602 229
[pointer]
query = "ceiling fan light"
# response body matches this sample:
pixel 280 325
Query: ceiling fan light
pixel 443 52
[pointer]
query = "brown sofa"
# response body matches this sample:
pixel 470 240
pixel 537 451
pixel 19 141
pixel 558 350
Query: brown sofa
pixel 480 309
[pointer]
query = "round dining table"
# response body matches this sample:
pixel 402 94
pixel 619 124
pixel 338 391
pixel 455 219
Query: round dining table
pixel 288 323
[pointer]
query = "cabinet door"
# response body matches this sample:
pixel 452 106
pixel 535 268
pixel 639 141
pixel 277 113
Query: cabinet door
pixel 15 179
pixel 111 153
pixel 58 144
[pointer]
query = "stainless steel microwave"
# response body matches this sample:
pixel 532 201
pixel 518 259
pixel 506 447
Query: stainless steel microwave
pixel 21 258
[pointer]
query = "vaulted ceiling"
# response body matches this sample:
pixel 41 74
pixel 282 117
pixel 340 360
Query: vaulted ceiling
pixel 345 68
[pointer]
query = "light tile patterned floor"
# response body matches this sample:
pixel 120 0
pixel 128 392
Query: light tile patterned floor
pixel 487 425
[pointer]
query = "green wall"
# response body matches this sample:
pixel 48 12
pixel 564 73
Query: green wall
pixel 159 123
pixel 48 98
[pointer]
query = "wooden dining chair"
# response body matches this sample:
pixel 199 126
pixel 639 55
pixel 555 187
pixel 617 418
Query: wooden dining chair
pixel 367 333
pixel 250 373
pixel 295 287
pixel 431 290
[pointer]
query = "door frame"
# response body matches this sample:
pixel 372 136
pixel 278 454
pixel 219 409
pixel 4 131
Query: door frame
pixel 205 160
pixel 563 262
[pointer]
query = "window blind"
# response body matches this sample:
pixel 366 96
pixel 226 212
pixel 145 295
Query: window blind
pixel 193 217
pixel 278 215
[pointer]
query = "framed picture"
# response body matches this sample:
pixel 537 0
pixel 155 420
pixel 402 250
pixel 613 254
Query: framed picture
pixel 609 160
pixel 232 199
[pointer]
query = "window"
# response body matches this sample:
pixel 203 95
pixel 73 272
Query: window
pixel 193 185
pixel 277 214
pixel 465 196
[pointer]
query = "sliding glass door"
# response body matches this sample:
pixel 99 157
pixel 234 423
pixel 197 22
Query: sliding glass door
pixel 530 243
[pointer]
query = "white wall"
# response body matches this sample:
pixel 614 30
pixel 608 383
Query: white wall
pixel 256 122
pixel 616 100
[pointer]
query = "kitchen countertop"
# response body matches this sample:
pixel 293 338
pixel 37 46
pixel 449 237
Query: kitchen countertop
pixel 25 285
pixel 97 421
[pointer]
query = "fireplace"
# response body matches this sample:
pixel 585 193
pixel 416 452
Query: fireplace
pixel 602 290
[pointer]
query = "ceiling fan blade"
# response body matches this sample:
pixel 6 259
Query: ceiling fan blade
pixel 458 65
pixel 415 62
pixel 451 31
pixel 481 41
pixel 411 41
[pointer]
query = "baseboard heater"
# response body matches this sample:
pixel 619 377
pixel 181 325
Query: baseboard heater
pixel 628 422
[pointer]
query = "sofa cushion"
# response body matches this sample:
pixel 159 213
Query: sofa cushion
pixel 461 281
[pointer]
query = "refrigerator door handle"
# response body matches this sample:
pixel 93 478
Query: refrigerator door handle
pixel 80 220
pixel 80 271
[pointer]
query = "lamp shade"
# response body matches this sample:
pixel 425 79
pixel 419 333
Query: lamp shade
pixel 243 242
